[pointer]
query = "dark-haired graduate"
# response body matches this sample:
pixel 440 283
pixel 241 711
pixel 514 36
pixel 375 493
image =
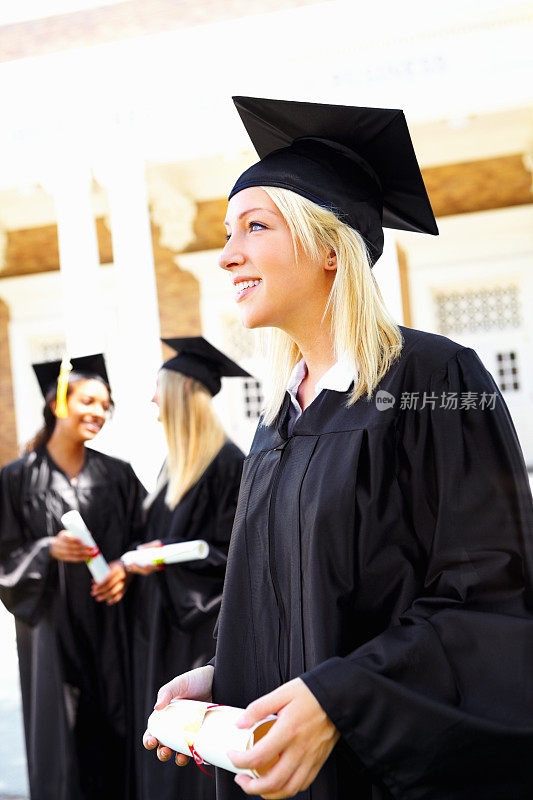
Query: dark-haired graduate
pixel 71 632
pixel 378 594
pixel 175 609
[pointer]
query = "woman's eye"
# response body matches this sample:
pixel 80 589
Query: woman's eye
pixel 257 226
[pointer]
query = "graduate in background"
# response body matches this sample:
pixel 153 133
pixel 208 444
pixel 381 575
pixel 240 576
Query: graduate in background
pixel 71 633
pixel 379 593
pixel 175 610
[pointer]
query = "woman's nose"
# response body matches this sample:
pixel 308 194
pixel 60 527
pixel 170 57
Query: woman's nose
pixel 230 257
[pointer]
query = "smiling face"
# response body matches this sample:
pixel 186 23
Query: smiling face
pixel 88 404
pixel 158 395
pixel 273 288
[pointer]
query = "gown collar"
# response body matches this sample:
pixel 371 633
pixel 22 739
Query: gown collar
pixel 338 378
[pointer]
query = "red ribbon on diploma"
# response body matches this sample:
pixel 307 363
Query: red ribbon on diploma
pixel 198 760
pixel 94 551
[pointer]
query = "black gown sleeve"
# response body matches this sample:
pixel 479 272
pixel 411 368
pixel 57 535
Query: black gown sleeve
pixel 26 569
pixel 194 589
pixel 440 704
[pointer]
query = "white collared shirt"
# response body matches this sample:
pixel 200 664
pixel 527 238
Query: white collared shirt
pixel 338 378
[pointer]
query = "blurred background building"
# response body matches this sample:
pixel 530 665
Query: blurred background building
pixel 119 143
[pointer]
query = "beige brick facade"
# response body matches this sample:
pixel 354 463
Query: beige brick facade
pixel 178 295
pixel 8 434
pixel 36 249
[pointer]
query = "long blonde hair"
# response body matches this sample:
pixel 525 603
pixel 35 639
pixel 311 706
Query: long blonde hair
pixel 361 325
pixel 193 431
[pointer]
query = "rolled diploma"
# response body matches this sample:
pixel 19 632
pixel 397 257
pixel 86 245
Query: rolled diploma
pixel 168 554
pixel 98 566
pixel 212 732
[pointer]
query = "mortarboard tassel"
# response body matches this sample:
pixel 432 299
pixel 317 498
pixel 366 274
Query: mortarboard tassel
pixel 62 384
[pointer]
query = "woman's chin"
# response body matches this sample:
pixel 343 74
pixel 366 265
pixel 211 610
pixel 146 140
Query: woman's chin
pixel 247 322
pixel 87 436
pixel 252 320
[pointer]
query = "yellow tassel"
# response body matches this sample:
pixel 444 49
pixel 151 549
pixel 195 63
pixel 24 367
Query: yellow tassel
pixel 62 384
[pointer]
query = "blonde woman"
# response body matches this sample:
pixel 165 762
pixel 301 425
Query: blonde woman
pixel 195 498
pixel 381 555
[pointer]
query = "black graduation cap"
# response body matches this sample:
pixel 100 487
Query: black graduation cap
pixel 358 162
pixel 198 359
pixel 84 367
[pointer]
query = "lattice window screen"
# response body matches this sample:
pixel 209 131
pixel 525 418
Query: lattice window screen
pixel 508 373
pixel 253 398
pixel 478 309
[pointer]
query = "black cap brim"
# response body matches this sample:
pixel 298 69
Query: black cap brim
pixel 199 359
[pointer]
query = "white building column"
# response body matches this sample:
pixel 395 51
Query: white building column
pixel 79 259
pixel 134 261
pixel 137 357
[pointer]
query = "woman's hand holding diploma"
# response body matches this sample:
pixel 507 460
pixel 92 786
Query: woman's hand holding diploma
pixel 136 569
pixel 67 547
pixel 193 685
pixel 297 745
pixel 302 737
pixel 111 589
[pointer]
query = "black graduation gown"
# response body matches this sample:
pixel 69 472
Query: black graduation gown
pixel 73 651
pixel 386 557
pixel 176 610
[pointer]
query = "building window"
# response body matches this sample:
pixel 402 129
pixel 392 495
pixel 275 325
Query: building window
pixel 508 378
pixel 253 399
pixel 478 310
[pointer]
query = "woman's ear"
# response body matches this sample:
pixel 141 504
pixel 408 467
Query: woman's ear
pixel 331 260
